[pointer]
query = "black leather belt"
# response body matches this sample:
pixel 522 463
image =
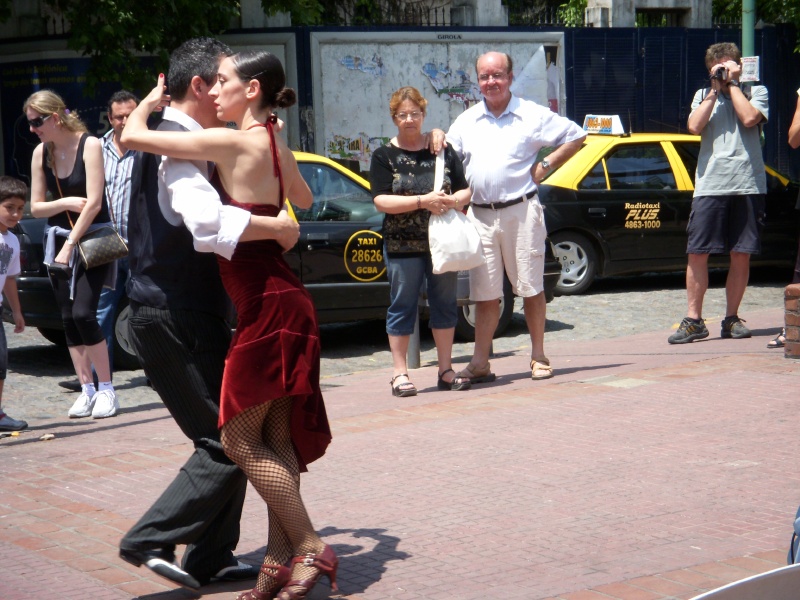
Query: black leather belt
pixel 505 203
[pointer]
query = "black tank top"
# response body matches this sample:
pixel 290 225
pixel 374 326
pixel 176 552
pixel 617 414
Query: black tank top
pixel 72 185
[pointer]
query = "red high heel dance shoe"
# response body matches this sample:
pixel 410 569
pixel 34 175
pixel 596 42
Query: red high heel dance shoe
pixel 280 573
pixel 325 562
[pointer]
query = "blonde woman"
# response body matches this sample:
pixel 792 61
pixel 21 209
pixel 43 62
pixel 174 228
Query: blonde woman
pixel 69 164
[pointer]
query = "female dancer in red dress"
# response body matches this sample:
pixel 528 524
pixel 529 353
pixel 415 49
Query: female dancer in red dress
pixel 271 411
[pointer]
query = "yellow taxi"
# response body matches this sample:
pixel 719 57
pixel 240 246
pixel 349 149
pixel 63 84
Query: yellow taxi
pixel 621 204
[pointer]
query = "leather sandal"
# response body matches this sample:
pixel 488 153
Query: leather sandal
pixel 326 563
pixel 541 366
pixel 403 389
pixel 280 573
pixel 477 375
pixel 457 383
pixel 779 341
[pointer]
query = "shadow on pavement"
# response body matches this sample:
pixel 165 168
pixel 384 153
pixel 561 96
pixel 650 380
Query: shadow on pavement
pixel 87 426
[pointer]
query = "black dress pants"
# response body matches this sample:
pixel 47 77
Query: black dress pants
pixel 183 355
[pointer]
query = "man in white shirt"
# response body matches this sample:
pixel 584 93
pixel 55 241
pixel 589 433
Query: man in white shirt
pixel 180 326
pixel 499 141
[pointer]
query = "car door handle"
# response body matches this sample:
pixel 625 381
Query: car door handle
pixel 317 240
pixel 597 212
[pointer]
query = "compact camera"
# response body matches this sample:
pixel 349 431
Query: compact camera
pixel 721 73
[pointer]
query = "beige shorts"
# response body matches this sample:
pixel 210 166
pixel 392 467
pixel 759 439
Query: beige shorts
pixel 513 240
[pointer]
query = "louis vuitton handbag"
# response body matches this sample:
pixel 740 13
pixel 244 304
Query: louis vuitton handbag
pixel 99 246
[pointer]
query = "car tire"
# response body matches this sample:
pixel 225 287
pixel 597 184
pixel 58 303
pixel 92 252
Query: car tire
pixel 125 358
pixel 465 327
pixel 54 336
pixel 578 259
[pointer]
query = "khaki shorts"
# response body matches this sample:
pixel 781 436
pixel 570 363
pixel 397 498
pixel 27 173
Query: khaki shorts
pixel 513 241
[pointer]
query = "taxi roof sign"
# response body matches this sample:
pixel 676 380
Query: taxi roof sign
pixel 608 124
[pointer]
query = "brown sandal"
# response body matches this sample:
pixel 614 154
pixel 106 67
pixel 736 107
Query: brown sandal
pixel 326 563
pixel 280 573
pixel 475 375
pixel 541 364
pixel 457 383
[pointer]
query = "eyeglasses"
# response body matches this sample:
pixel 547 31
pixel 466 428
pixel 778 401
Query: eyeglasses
pixel 415 116
pixel 495 76
pixel 38 121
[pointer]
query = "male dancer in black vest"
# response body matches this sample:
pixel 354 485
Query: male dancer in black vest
pixel 180 325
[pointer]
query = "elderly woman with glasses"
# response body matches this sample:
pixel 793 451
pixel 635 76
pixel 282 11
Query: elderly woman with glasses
pixel 401 177
pixel 69 164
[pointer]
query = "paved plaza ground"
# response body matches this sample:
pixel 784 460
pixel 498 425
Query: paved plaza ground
pixel 641 471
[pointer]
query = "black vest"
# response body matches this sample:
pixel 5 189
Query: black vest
pixel 166 271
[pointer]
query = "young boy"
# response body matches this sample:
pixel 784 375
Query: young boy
pixel 12 200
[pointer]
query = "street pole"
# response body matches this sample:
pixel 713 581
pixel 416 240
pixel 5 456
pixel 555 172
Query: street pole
pixel 748 27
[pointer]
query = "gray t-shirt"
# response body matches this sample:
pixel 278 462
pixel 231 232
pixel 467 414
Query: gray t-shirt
pixel 730 161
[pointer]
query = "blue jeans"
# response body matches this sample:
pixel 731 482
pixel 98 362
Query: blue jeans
pixel 107 307
pixel 406 275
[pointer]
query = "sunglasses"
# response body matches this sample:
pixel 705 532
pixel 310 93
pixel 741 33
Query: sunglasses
pixel 38 121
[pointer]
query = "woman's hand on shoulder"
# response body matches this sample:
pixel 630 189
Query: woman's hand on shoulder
pixel 158 97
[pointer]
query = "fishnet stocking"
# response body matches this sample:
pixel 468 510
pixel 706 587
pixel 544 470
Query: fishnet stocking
pixel 259 441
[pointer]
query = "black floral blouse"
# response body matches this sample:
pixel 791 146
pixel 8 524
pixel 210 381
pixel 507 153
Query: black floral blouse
pixel 401 172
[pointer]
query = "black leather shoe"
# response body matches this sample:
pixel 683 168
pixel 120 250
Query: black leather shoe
pixel 161 562
pixel 73 385
pixel 237 572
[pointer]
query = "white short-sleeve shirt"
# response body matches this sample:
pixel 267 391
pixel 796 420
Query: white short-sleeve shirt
pixel 498 152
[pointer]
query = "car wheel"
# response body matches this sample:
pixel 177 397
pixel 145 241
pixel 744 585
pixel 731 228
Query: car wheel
pixel 578 260
pixel 125 358
pixel 54 336
pixel 465 327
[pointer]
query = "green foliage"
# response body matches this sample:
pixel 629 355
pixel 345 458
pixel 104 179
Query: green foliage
pixel 304 12
pixel 572 12
pixel 5 10
pixel 116 33
pixel 769 11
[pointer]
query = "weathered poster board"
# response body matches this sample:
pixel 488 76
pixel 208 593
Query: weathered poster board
pixel 354 75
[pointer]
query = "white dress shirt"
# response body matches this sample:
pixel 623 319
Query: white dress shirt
pixel 185 194
pixel 498 152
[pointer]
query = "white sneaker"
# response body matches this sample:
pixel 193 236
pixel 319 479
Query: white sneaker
pixel 105 404
pixel 82 407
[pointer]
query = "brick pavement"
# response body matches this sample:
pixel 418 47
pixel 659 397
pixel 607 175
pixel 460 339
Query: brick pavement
pixel 641 471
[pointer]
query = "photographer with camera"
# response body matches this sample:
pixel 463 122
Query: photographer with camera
pixel 730 184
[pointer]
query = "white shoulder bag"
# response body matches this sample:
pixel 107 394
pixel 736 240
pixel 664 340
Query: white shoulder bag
pixel 455 243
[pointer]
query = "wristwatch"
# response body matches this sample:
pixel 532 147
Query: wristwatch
pixel 734 83
pixel 545 164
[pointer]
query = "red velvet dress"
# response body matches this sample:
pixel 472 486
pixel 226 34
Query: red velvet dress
pixel 275 351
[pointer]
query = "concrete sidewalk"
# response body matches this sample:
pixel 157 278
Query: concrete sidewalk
pixel 641 471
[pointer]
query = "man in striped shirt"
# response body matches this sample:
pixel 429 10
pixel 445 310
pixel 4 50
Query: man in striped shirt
pixel 118 162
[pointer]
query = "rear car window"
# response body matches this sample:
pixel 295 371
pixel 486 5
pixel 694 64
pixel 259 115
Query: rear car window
pixel 632 167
